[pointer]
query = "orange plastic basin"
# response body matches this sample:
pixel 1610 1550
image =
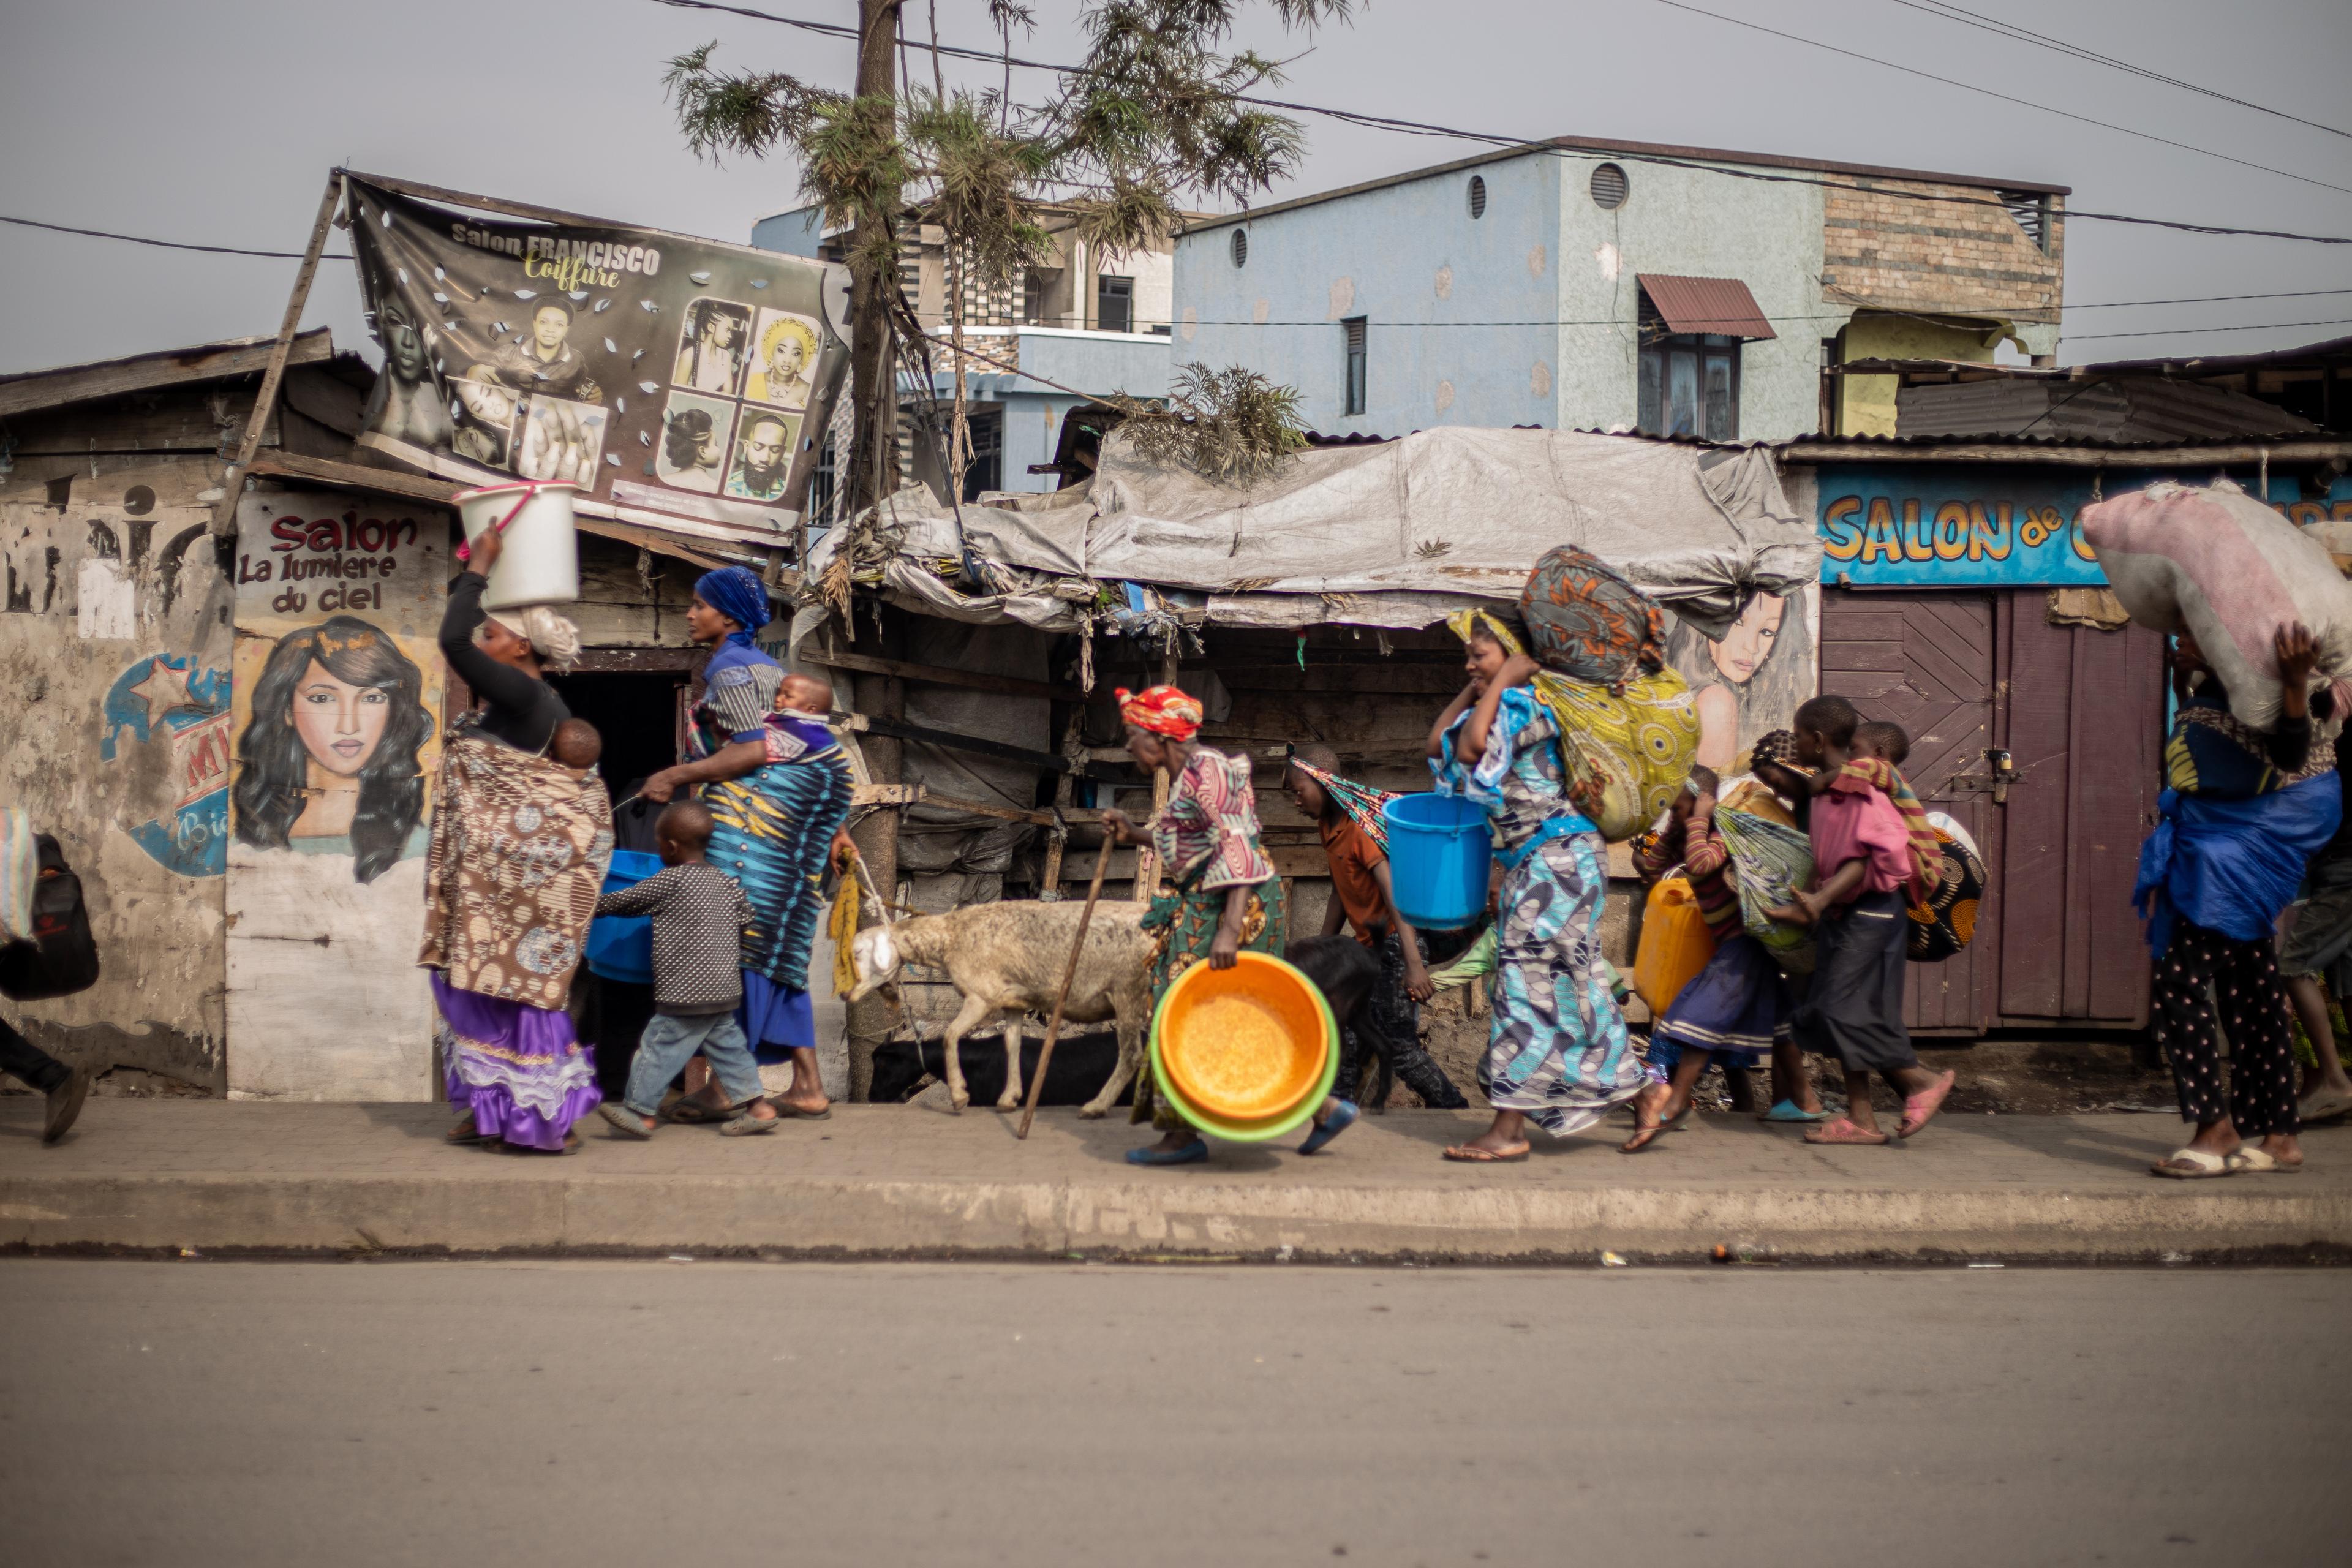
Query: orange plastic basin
pixel 1244 1044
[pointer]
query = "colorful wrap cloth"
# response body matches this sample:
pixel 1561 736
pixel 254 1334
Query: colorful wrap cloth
pixel 1585 620
pixel 2231 865
pixel 1926 853
pixel 774 830
pixel 1770 860
pixel 518 1071
pixel 1162 711
pixel 1361 802
pixel 518 853
pixel 1626 751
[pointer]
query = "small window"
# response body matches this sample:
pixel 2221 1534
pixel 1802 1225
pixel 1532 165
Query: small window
pixel 986 469
pixel 1033 297
pixel 1477 196
pixel 1354 329
pixel 1690 382
pixel 1240 246
pixel 1115 304
pixel 1609 187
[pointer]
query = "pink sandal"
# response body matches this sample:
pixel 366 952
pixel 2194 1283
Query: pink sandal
pixel 1921 1108
pixel 1842 1131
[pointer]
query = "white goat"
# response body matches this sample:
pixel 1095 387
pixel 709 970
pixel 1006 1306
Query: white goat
pixel 1008 958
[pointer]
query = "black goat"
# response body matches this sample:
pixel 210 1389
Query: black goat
pixel 1348 974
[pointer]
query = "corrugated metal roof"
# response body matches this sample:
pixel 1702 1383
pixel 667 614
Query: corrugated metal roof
pixel 1720 306
pixel 2123 409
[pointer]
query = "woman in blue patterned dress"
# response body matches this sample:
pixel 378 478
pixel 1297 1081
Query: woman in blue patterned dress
pixel 1559 1055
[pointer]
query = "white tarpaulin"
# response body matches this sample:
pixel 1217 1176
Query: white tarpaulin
pixel 1438 516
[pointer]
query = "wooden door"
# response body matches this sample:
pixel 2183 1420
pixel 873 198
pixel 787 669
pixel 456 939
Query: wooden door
pixel 2084 730
pixel 1927 661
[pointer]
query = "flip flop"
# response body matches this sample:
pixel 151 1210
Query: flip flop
pixel 2192 1165
pixel 626 1122
pixel 2248 1161
pixel 1790 1110
pixel 1343 1116
pixel 694 1113
pixel 786 1108
pixel 1683 1123
pixel 1148 1155
pixel 1471 1155
pixel 1645 1137
pixel 1843 1130
pixel 1920 1108
pixel 749 1126
pixel 466 1135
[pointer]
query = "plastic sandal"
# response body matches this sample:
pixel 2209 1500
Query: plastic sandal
pixel 1471 1154
pixel 1843 1131
pixel 1790 1110
pixel 624 1122
pixel 2192 1165
pixel 1920 1108
pixel 1343 1116
pixel 2249 1161
pixel 1148 1155
pixel 750 1126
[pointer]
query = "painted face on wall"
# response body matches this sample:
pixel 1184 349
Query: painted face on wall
pixel 1749 643
pixel 340 723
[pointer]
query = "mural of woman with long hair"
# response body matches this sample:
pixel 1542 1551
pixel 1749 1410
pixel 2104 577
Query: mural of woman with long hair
pixel 1749 682
pixel 330 754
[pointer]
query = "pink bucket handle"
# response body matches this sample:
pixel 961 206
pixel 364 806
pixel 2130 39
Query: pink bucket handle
pixel 465 552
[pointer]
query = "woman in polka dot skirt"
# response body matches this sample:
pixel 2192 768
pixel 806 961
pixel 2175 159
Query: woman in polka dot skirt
pixel 2244 811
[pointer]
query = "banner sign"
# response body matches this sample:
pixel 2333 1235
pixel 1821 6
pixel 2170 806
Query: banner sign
pixel 681 384
pixel 1989 525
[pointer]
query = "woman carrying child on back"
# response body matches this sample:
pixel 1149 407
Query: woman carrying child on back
pixel 1559 1055
pixel 2243 813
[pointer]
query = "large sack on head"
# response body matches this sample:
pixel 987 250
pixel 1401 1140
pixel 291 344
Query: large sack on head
pixel 2216 562
pixel 1585 620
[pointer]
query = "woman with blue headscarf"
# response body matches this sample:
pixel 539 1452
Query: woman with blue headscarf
pixel 778 789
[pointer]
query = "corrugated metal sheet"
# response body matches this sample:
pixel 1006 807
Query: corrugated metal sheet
pixel 2123 410
pixel 1721 306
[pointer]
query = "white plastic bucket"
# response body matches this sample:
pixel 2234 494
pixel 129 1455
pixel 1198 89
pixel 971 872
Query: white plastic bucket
pixel 539 561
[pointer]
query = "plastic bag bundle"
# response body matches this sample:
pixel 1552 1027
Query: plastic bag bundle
pixel 2219 565
pixel 1585 620
pixel 1770 860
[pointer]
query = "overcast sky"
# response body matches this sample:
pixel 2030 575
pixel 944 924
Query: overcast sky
pixel 215 122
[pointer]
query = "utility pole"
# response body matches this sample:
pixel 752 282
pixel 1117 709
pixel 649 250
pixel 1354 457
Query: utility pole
pixel 872 378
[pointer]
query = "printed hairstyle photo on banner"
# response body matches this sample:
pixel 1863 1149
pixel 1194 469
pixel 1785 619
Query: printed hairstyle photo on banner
pixel 484 410
pixel 783 361
pixel 690 454
pixel 410 401
pixel 712 346
pixel 1750 681
pixel 330 755
pixel 559 440
pixel 763 457
pixel 539 357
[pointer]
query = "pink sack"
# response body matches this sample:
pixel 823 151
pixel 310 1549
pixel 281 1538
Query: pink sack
pixel 2216 563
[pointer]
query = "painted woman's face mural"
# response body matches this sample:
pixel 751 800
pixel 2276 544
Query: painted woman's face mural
pixel 341 724
pixel 1748 644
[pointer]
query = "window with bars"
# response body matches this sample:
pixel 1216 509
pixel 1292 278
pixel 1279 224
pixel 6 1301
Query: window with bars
pixel 1115 304
pixel 1353 330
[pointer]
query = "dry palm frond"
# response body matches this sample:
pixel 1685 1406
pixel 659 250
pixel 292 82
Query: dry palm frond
pixel 1232 426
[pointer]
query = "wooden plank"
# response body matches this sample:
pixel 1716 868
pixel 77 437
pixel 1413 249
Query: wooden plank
pixel 233 483
pixel 938 675
pixel 2034 913
pixel 321 395
pixel 181 421
pixel 638 661
pixel 383 481
pixel 46 389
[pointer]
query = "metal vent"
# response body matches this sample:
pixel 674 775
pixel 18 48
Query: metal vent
pixel 1477 196
pixel 1609 187
pixel 1240 246
pixel 2032 211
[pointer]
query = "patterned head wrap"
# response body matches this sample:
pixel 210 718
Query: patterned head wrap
pixel 1468 624
pixel 735 592
pixel 1361 802
pixel 1162 711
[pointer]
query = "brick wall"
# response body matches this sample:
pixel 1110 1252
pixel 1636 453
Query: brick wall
pixel 1885 245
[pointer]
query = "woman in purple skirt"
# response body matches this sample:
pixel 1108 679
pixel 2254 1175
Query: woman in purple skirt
pixel 520 841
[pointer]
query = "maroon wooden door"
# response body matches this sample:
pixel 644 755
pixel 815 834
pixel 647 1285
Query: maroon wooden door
pixel 2084 730
pixel 1927 661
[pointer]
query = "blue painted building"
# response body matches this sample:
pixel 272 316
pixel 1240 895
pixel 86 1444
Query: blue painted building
pixel 1605 285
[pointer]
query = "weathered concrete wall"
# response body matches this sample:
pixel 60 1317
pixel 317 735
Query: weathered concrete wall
pixel 115 649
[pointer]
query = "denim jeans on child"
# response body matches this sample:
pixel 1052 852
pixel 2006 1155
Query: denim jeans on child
pixel 669 1041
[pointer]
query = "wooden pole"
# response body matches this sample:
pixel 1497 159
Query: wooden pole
pixel 233 484
pixel 1062 997
pixel 1147 864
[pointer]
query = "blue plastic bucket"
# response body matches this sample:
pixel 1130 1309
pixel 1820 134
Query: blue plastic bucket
pixel 1438 855
pixel 621 947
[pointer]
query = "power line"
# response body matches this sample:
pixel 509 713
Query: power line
pixel 2003 97
pixel 163 243
pixel 1423 127
pixel 2000 28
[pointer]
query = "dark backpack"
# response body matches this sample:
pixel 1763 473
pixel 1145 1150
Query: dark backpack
pixel 62 957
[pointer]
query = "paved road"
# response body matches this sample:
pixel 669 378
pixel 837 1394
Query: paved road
pixel 882 1414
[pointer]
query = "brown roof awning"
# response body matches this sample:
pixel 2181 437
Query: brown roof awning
pixel 1720 306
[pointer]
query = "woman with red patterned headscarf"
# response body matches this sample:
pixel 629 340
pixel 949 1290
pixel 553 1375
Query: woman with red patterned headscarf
pixel 1224 897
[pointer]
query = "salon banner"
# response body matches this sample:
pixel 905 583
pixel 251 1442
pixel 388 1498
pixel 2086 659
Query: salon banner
pixel 679 383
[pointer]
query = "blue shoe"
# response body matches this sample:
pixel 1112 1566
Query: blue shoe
pixel 1787 1110
pixel 1195 1150
pixel 1343 1116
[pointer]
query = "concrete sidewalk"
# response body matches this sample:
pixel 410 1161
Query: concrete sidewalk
pixel 890 1181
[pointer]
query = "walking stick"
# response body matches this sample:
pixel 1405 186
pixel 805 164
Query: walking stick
pixel 1061 999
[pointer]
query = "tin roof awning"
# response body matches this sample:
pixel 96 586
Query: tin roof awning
pixel 1721 307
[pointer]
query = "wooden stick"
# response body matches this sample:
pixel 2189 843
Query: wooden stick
pixel 233 484
pixel 1062 998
